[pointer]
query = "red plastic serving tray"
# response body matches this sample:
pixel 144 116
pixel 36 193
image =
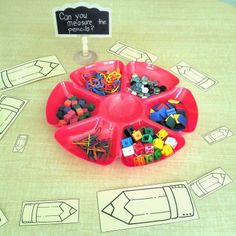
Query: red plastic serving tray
pixel 115 112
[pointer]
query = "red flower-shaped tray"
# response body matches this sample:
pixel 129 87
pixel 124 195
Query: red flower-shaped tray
pixel 115 112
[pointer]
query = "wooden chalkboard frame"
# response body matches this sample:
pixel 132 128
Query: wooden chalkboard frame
pixel 90 7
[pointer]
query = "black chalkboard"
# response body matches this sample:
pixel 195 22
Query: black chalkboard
pixel 82 21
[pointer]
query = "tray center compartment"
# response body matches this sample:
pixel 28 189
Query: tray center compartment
pixel 122 108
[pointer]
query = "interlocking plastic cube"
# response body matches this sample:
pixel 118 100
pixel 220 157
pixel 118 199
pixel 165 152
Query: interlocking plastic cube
pixel 128 151
pixel 126 142
pixel 137 135
pixel 158 143
pixel 172 142
pixel 167 150
pixel 149 148
pixel 138 148
pixel 139 160
pixel 162 134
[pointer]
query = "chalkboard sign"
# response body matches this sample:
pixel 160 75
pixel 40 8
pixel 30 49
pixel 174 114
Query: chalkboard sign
pixel 82 19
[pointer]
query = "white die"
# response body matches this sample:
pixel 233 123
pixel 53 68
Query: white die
pixel 171 141
pixel 128 151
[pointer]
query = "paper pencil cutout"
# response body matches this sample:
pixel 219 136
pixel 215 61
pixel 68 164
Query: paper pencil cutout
pixel 199 79
pixel 149 205
pixel 210 182
pixel 10 108
pixel 50 212
pixel 29 72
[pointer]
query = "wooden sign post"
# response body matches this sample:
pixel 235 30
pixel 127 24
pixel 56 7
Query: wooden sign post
pixel 84 20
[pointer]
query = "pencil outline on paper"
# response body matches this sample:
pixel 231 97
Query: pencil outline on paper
pixel 143 206
pixel 205 185
pixel 47 212
pixel 20 143
pixel 3 219
pixel 29 72
pixel 210 139
pixel 199 79
pixel 123 50
pixel 11 112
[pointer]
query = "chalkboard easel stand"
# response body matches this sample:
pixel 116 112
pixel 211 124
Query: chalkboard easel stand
pixel 85 56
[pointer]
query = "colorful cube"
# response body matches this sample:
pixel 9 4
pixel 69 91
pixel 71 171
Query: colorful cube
pixel 158 143
pixel 128 151
pixel 149 148
pixel 162 134
pixel 126 142
pixel 149 158
pixel 139 160
pixel 167 150
pixel 137 135
pixel 147 138
pixel 148 130
pixel 171 141
pixel 157 154
pixel 138 148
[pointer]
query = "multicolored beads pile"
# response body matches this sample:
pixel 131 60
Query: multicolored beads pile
pixel 73 110
pixel 170 114
pixel 145 146
pixel 104 82
pixel 94 147
pixel 143 87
